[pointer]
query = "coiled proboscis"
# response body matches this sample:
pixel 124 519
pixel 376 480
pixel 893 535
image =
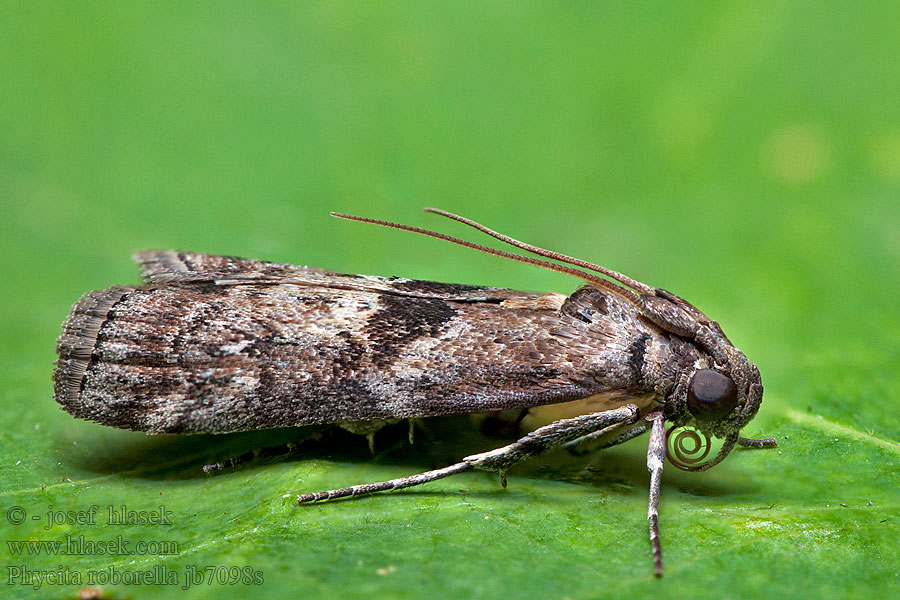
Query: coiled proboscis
pixel 687 447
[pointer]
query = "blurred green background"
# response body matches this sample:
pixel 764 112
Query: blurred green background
pixel 745 155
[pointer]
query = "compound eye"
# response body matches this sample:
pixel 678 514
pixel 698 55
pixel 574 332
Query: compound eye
pixel 711 395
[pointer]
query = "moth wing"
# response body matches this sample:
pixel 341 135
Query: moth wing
pixel 170 266
pixel 218 358
pixel 186 268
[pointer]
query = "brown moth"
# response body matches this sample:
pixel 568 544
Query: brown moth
pixel 216 344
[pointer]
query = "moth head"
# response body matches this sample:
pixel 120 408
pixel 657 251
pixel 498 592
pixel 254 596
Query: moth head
pixel 722 398
pixel 711 395
pixel 719 391
pixel 719 397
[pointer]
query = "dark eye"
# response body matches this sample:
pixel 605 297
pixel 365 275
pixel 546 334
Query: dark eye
pixel 711 395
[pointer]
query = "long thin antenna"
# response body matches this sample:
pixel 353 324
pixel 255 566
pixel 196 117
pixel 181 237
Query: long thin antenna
pixel 623 279
pixel 598 281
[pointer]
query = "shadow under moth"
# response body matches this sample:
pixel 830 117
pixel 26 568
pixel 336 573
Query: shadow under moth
pixel 217 344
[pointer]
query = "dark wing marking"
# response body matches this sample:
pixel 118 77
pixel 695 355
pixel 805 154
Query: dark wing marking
pixel 186 268
pixel 216 358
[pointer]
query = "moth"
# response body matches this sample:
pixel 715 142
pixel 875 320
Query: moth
pixel 217 344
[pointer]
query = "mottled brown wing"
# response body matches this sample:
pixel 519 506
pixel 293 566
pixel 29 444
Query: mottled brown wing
pixel 184 268
pixel 209 354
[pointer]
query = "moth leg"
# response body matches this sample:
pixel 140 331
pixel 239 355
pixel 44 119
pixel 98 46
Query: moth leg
pixel 754 443
pixel 583 445
pixel 267 452
pixel 550 436
pixel 384 486
pixel 502 424
pixel 558 433
pixel 367 428
pixel 656 452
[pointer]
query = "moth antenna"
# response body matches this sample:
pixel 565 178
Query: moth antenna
pixel 623 279
pixel 598 281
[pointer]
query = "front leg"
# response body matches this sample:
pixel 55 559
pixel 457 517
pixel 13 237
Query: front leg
pixel 656 452
pixel 558 433
pixel 753 443
pixel 544 438
pixel 590 443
